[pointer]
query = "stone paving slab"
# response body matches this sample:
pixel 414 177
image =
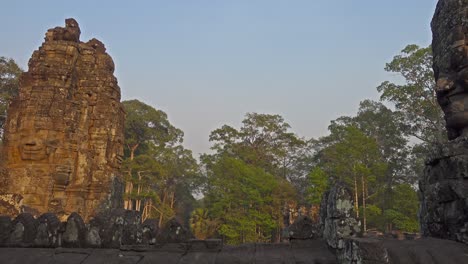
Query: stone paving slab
pixel 426 251
pixel 243 254
pixel 421 251
pixel 303 249
pixel 273 254
pixel 174 254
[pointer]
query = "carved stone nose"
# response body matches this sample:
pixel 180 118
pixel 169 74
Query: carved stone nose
pixel 444 84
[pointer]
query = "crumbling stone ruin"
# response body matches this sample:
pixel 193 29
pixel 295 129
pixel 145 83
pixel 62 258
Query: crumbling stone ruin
pixel 119 236
pixel 337 219
pixel 444 185
pixel 63 141
pixel 342 233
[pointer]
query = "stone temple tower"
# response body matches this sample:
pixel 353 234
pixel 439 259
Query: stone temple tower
pixel 63 141
pixel 444 184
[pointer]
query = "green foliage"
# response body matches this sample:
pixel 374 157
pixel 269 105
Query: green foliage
pixel 416 104
pixel 348 155
pixel 404 208
pixel 244 199
pixel 318 184
pixel 402 213
pixel 374 216
pixel 415 100
pixel 250 175
pixel 9 84
pixel 160 173
pixel 264 141
pixel 391 200
pixel 355 155
pixel 203 226
pixel 146 127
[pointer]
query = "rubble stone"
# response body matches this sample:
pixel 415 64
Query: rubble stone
pixel 304 228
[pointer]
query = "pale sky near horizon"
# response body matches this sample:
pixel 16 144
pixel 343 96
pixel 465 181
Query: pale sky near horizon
pixel 208 63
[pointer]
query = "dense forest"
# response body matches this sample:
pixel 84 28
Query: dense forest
pixel 261 176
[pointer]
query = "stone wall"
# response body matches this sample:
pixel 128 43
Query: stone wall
pixel 114 229
pixel 63 141
pixel 120 237
pixel 444 193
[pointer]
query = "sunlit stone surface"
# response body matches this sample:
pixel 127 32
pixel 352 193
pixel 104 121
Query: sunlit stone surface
pixel 63 137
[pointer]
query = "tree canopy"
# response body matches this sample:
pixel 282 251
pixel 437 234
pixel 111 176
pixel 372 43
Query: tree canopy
pixel 252 184
pixel 160 173
pixel 9 84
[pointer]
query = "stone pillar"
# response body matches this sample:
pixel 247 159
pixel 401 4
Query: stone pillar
pixel 337 218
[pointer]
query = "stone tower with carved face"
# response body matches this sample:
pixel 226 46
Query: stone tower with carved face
pixel 63 140
pixel 443 185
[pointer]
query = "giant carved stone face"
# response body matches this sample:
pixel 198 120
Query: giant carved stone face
pixel 451 72
pixel 37 145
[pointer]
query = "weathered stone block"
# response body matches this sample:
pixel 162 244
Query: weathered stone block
pixel 173 232
pixel 304 228
pixel 23 232
pixel 132 228
pixel 149 231
pixel 47 234
pixel 5 229
pixel 364 250
pixel 75 231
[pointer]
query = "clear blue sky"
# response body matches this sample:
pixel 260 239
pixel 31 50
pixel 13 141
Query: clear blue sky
pixel 207 63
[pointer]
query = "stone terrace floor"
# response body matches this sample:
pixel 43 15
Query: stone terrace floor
pixel 422 251
pixel 312 251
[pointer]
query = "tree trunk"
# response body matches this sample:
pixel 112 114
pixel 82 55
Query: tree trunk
pixel 138 201
pixel 356 200
pixel 172 200
pixel 129 185
pixel 146 210
pixel 128 190
pixel 132 150
pixel 161 213
pixel 364 220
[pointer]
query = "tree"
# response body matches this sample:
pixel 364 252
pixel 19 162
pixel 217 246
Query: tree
pixel 245 200
pixel 251 173
pixel 379 122
pixel 415 100
pixel 355 160
pixel 317 185
pixel 160 173
pixel 203 226
pixel 402 214
pixel 145 129
pixel 145 126
pixel 265 141
pixel 9 84
pixel 179 178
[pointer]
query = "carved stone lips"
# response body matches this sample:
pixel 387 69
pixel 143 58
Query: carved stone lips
pixel 32 149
